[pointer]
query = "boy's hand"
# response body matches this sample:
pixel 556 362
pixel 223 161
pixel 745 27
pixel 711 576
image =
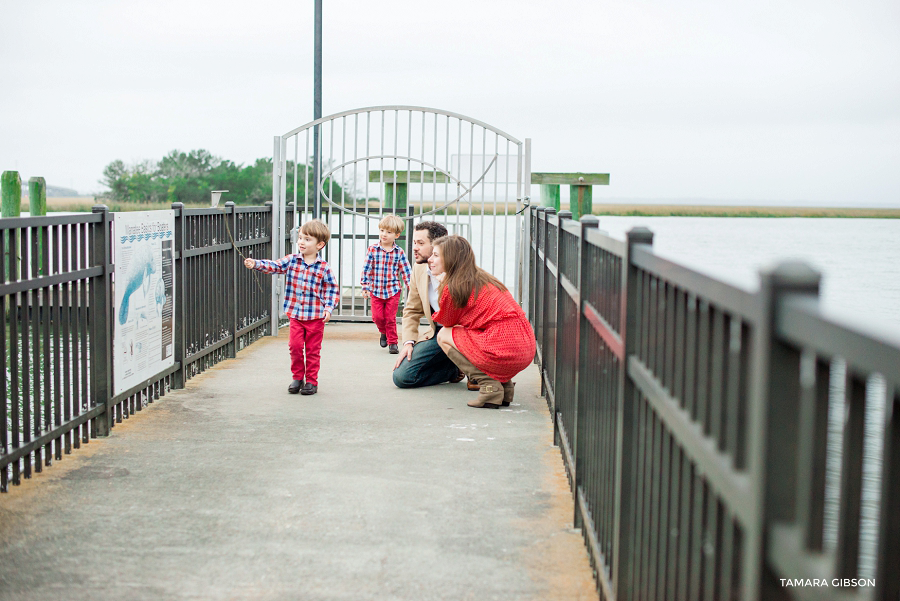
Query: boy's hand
pixel 327 316
pixel 367 294
pixel 249 263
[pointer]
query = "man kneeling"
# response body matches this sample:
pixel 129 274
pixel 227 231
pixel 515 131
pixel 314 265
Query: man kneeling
pixel 422 362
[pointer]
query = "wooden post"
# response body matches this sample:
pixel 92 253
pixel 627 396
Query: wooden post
pixel 550 196
pixel 37 206
pixel 11 206
pixel 395 195
pixel 580 199
pixel 37 196
pixel 11 185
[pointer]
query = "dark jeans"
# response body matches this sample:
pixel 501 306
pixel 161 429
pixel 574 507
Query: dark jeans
pixel 427 366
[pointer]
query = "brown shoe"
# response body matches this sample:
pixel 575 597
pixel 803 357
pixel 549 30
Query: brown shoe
pixel 457 378
pixel 509 389
pixel 473 385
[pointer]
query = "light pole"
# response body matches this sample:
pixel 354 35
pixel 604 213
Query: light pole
pixel 317 109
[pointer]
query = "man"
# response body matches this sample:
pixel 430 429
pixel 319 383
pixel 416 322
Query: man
pixel 421 361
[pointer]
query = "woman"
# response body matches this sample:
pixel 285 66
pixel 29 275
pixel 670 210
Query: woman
pixel 485 333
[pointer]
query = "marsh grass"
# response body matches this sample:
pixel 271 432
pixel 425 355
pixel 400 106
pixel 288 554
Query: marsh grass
pixel 747 211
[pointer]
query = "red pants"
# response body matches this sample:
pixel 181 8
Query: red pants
pixel 384 312
pixel 306 336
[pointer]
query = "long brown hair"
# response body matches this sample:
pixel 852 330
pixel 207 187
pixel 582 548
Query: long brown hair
pixel 462 275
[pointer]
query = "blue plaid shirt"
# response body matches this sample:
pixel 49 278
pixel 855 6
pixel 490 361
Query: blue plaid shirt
pixel 310 289
pixel 383 270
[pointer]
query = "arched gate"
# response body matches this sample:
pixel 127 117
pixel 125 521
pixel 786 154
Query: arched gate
pixel 418 163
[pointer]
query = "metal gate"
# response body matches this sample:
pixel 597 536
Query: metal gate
pixel 418 163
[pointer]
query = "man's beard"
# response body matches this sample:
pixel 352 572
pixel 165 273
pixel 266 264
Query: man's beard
pixel 420 261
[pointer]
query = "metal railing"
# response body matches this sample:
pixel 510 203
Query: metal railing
pixel 56 295
pixel 696 422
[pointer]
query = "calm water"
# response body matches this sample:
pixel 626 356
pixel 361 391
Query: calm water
pixel 859 258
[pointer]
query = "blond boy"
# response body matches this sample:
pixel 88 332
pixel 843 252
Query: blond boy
pixel 386 264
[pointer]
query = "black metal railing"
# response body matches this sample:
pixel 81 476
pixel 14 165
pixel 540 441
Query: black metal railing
pixel 56 343
pixel 695 420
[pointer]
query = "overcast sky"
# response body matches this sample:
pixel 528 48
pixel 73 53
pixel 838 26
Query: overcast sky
pixel 791 102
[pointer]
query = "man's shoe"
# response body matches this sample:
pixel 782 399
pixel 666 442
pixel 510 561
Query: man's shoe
pixel 309 389
pixel 383 341
pixel 394 350
pixel 473 385
pixel 295 386
pixel 457 378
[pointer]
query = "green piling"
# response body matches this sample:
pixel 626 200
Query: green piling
pixel 10 206
pixel 37 196
pixel 37 206
pixel 550 195
pixel 11 184
pixel 395 202
pixel 580 200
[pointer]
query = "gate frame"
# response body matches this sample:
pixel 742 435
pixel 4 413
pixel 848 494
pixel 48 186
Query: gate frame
pixel 281 234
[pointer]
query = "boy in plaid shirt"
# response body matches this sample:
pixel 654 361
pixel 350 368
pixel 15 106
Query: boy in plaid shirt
pixel 310 295
pixel 385 264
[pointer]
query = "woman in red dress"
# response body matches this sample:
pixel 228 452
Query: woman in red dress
pixel 486 333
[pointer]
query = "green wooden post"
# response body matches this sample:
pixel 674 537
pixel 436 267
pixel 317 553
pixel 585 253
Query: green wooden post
pixel 37 206
pixel 11 185
pixel 10 206
pixel 396 185
pixel 37 196
pixel 580 200
pixel 550 196
pixel 396 203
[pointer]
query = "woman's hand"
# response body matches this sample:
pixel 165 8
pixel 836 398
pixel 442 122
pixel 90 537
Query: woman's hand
pixel 249 263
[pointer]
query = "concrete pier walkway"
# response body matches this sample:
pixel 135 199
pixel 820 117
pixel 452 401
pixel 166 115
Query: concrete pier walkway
pixel 234 489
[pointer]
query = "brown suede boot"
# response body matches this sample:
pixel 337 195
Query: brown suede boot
pixel 509 389
pixel 490 395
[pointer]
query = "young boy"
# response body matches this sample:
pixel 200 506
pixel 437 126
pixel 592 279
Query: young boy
pixel 386 261
pixel 310 296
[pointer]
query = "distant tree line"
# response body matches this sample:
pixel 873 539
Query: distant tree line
pixel 189 177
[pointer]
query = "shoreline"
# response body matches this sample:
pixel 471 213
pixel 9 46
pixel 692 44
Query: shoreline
pixel 84 203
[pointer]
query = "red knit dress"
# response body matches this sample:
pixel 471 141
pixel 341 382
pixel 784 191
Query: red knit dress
pixel 494 335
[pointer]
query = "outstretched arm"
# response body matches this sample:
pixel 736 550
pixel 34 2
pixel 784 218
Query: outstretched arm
pixel 267 266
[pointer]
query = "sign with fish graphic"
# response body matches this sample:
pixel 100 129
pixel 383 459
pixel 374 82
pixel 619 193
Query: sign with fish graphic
pixel 143 296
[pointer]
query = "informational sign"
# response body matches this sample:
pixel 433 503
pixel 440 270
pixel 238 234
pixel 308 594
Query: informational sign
pixel 143 296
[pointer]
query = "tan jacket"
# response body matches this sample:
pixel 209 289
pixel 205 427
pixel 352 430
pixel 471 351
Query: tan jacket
pixel 417 306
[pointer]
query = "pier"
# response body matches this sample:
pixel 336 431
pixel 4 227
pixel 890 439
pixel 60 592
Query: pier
pixel 671 441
